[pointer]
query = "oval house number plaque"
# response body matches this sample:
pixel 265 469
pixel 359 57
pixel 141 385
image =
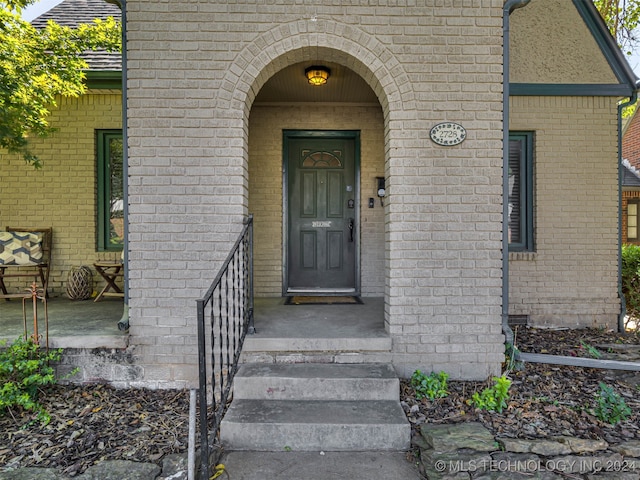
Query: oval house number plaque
pixel 448 134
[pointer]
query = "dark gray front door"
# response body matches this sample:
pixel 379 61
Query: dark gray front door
pixel 322 205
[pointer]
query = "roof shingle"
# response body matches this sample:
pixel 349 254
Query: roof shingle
pixel 630 176
pixel 71 13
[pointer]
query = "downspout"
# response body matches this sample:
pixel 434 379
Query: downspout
pixel 509 6
pixel 123 323
pixel 623 302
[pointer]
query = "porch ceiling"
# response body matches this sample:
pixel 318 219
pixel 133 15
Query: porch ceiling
pixel 290 85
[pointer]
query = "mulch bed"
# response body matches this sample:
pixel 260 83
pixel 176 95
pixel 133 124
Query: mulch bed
pixel 92 423
pixel 545 400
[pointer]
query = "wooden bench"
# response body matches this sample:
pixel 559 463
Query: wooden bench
pixel 25 253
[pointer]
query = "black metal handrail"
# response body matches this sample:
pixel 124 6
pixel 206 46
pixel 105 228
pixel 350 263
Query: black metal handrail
pixel 225 316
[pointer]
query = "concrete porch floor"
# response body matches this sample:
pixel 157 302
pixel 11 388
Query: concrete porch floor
pixel 305 328
pixel 280 327
pixel 72 324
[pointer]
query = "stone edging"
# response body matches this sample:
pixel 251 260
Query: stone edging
pixel 174 467
pixel 469 450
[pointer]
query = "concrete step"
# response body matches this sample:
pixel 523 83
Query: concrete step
pixel 326 356
pixel 378 341
pixel 312 466
pixel 316 381
pixel 313 425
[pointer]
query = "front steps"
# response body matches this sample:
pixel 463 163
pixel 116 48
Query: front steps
pixel 318 333
pixel 310 407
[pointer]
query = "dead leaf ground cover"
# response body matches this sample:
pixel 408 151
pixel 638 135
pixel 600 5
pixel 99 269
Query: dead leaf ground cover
pixel 92 423
pixel 547 400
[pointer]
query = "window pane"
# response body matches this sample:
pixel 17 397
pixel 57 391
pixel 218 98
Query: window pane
pixel 109 194
pixel 633 214
pixel 116 201
pixel 632 220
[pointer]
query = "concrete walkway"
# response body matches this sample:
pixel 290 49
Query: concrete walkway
pixel 247 466
pixel 319 466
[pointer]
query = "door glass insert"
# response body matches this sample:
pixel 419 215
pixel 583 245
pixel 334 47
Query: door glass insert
pixel 321 159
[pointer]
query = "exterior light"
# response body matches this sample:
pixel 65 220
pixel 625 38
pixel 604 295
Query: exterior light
pixel 317 75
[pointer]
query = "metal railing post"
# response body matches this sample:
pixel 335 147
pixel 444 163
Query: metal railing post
pixel 202 376
pixel 252 328
pixel 227 324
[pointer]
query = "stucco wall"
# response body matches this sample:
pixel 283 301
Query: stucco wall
pixel 571 277
pixel 62 194
pixel 550 43
pixel 265 187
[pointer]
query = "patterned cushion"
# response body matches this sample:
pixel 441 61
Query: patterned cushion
pixel 20 248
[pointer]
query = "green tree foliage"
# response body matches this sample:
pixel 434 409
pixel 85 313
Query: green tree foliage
pixel 38 65
pixel 622 17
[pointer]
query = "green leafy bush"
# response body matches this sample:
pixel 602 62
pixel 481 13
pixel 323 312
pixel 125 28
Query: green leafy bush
pixel 430 386
pixel 493 399
pixel 631 278
pixel 611 407
pixel 24 370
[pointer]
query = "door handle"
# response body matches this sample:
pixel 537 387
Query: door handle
pixel 351 229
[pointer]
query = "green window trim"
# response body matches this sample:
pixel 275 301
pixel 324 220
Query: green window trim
pixel 520 192
pixel 109 190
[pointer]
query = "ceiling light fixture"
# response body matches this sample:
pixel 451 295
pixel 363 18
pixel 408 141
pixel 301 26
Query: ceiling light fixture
pixel 317 75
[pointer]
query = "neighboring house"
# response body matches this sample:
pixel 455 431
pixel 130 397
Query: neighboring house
pixel 631 181
pixel 221 122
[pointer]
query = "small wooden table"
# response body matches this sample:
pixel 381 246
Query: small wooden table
pixel 110 272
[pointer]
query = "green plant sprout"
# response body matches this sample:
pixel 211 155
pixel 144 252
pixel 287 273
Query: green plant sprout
pixel 430 386
pixel 592 351
pixel 492 399
pixel 511 353
pixel 611 407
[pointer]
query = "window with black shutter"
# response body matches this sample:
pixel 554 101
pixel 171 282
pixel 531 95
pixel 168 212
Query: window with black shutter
pixel 520 191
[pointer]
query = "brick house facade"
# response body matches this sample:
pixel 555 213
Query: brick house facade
pixel 205 148
pixel 631 141
pixel 630 180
